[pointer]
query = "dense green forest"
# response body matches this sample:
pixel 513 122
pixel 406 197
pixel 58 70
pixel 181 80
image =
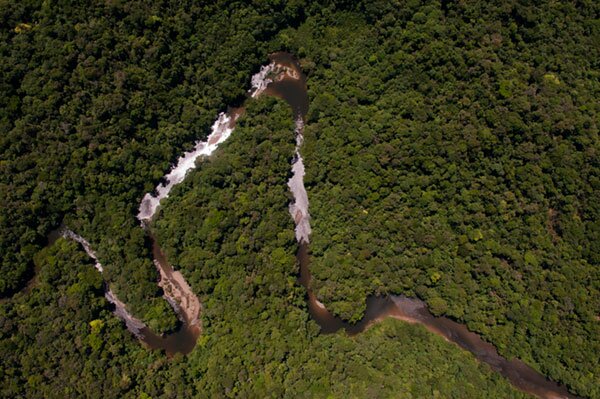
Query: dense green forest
pixel 452 154
pixel 463 169
pixel 60 340
pixel 97 102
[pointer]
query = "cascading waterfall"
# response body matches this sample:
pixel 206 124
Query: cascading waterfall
pixel 176 291
pixel 262 79
pixel 175 288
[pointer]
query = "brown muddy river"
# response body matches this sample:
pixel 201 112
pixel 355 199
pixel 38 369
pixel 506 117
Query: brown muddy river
pixel 410 310
pixel 285 80
pixel 415 311
pixel 184 339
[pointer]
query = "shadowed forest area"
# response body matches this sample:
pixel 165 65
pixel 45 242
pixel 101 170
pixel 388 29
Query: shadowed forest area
pixel 451 154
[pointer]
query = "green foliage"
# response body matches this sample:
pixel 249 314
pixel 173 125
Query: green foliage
pixel 461 167
pixel 451 153
pixel 61 339
pixel 97 101
pixel 160 316
pixel 258 339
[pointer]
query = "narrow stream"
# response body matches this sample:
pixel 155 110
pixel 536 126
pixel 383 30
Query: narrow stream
pixel 293 90
pixel 415 311
pixel 175 288
pixel 283 78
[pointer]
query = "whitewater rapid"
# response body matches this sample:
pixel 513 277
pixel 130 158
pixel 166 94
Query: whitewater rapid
pixel 134 325
pixel 178 293
pixel 221 130
pixel 261 80
pixel 176 290
pixel 299 207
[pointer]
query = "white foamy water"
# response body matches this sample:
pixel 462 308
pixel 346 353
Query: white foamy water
pixel 221 130
pixel 174 286
pixel 86 246
pixel 262 79
pixel 173 283
pixel 134 325
pixel 176 290
pixel 299 208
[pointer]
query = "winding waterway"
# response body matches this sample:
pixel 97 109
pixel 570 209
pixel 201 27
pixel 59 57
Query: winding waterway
pixel 176 290
pixel 293 90
pixel 283 78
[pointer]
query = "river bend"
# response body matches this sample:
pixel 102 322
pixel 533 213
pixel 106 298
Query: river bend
pixel 283 78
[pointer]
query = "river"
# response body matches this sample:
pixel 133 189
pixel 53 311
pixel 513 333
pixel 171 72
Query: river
pixel 283 78
pixel 293 90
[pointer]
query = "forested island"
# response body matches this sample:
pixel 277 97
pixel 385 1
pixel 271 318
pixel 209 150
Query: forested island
pixel 449 151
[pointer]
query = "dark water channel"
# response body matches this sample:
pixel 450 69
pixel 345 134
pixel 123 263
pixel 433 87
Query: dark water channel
pixel 411 310
pixel 291 87
pixel 184 339
pixel 289 84
pixel 415 311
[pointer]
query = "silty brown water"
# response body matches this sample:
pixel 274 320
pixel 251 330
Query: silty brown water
pixel 291 87
pixel 280 78
pixel 293 90
pixel 415 311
